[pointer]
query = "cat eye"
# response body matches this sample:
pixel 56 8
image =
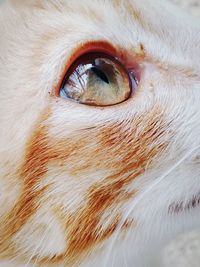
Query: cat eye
pixel 97 79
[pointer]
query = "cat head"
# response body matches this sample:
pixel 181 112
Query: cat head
pixel 109 179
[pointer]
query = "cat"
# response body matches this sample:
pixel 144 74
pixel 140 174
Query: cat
pixel 100 131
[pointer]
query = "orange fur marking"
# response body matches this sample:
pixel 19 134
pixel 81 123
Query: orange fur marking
pixel 112 190
pixel 84 230
pixel 32 170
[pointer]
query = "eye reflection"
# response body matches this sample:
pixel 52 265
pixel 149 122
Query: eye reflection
pixel 97 79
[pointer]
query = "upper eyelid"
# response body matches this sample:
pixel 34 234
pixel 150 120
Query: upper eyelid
pixel 100 47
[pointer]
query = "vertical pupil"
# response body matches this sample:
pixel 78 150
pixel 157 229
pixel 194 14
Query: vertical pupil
pixel 100 74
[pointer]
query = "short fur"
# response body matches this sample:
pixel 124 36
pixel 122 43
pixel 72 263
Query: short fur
pixel 91 186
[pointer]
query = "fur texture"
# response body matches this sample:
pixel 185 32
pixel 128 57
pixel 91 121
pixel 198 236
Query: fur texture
pixel 90 186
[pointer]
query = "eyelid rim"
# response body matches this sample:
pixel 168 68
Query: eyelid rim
pixel 86 48
pixel 98 47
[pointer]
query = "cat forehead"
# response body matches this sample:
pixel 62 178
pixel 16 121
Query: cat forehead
pixel 139 11
pixel 121 22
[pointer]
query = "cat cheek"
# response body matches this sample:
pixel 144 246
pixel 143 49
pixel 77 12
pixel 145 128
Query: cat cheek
pixel 98 148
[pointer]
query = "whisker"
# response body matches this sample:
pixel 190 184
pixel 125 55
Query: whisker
pixel 37 257
pixel 157 181
pixel 124 259
pixel 36 250
pixel 113 258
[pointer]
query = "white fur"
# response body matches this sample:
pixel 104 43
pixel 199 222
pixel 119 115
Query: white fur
pixel 30 66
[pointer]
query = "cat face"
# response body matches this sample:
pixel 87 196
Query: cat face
pixel 103 185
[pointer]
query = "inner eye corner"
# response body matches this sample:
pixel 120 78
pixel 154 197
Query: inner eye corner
pixel 88 81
